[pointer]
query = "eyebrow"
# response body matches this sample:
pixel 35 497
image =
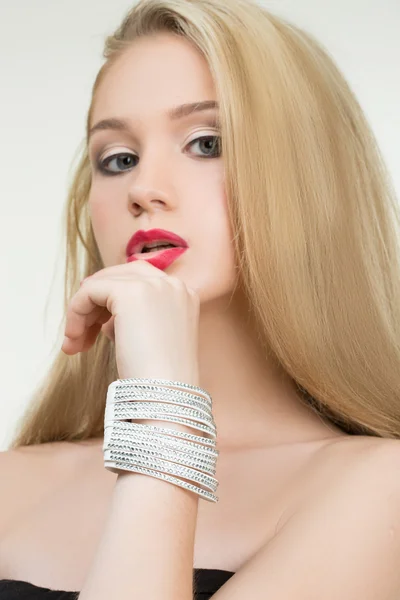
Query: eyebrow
pixel 175 113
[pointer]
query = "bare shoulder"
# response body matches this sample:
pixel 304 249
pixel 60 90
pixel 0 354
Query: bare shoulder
pixel 351 465
pixel 363 453
pixel 346 465
pixel 344 539
pixel 28 474
pixel 348 525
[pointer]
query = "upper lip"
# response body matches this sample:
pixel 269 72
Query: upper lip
pixel 141 237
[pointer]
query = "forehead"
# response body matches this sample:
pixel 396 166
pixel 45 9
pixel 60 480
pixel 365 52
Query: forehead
pixel 155 73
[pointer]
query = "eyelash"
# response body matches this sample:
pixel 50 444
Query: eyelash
pixel 101 164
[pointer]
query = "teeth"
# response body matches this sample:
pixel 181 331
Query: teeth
pixel 156 246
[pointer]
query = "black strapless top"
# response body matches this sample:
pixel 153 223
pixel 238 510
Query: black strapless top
pixel 206 582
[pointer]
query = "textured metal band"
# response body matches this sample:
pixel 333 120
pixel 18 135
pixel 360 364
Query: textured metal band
pixel 156 451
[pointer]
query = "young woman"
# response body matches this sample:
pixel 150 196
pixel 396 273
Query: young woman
pixel 258 354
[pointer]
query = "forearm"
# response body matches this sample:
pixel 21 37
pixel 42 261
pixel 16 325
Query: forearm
pixel 147 547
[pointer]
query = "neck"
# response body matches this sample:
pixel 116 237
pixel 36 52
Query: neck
pixel 256 404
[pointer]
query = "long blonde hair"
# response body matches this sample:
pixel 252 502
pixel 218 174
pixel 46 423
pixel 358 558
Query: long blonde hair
pixel 314 215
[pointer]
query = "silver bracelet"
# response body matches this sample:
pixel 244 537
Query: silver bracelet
pixel 161 452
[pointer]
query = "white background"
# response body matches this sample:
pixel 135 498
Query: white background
pixel 50 53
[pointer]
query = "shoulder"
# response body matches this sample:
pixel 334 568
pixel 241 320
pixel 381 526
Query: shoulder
pixel 352 515
pixel 349 466
pixel 344 537
pixel 369 457
pixel 352 469
pixel 28 474
pixel 354 460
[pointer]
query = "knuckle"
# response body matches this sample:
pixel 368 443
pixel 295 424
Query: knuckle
pixel 193 292
pixel 194 295
pixel 175 282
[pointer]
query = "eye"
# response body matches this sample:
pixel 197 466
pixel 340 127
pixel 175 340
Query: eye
pixel 125 159
pixel 210 147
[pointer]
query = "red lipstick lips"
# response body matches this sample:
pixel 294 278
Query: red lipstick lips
pixel 160 258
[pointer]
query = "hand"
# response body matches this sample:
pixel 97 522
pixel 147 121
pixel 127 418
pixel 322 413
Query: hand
pixel 151 317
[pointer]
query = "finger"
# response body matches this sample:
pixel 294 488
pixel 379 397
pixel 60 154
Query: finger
pixel 100 314
pixel 95 322
pixel 108 329
pixel 91 336
pixel 88 306
pixel 84 343
pixel 141 267
pixel 104 323
pixel 104 316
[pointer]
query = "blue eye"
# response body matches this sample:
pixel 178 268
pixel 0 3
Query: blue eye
pixel 124 159
pixel 215 143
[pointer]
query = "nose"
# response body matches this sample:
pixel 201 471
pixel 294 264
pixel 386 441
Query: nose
pixel 147 189
pixel 148 201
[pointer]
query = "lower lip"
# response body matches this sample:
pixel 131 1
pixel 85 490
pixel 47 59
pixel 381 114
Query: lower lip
pixel 161 258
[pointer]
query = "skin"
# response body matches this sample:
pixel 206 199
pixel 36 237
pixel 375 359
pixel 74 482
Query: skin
pixel 265 434
pixel 255 404
pixel 167 184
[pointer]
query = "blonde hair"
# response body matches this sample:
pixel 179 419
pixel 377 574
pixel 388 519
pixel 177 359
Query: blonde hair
pixel 314 215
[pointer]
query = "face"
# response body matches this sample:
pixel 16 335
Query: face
pixel 157 173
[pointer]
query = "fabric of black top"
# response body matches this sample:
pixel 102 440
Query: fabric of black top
pixel 206 582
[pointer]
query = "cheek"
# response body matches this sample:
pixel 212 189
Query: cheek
pixel 101 216
pixel 220 252
pixel 221 226
pixel 227 243
pixel 102 219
